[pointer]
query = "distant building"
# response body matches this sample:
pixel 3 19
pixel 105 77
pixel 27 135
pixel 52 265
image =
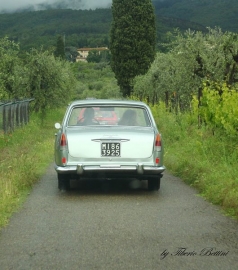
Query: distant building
pixel 83 53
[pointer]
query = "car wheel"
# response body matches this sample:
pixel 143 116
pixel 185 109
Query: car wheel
pixel 154 184
pixel 63 182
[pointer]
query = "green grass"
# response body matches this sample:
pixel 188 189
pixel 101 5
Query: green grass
pixel 25 155
pixel 202 158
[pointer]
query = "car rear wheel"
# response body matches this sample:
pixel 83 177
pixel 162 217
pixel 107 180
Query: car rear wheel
pixel 63 181
pixel 154 184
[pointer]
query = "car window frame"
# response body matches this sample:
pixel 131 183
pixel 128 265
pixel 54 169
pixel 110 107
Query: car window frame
pixel 146 113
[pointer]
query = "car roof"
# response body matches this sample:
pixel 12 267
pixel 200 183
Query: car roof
pixel 107 102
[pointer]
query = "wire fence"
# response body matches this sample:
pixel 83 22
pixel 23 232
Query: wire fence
pixel 14 114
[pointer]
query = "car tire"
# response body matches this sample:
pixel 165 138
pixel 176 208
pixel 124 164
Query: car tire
pixel 154 184
pixel 63 182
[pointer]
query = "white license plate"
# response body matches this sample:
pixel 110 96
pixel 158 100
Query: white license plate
pixel 110 149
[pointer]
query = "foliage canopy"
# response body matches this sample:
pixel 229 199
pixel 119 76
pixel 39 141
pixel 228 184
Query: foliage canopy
pixel 133 39
pixel 37 74
pixel 194 57
pixel 82 28
pixel 60 48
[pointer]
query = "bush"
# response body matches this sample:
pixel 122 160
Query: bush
pixel 203 159
pixel 219 108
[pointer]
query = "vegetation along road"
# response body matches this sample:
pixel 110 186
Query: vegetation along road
pixel 111 225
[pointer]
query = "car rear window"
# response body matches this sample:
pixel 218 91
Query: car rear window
pixel 110 115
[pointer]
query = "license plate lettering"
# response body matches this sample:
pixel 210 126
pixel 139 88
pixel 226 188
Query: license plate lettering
pixel 110 149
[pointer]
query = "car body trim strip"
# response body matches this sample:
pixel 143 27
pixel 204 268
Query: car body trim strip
pixel 81 168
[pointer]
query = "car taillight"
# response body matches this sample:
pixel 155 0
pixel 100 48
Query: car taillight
pixel 63 141
pixel 64 160
pixel 158 143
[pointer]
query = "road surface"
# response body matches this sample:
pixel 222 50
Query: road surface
pixel 112 225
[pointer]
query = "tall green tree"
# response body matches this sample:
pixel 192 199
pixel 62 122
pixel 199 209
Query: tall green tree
pixel 12 71
pixel 60 48
pixel 51 81
pixel 133 40
pixel 194 58
pixel 97 57
pixel 71 53
pixel 94 56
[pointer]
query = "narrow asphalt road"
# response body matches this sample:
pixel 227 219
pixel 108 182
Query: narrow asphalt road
pixel 110 225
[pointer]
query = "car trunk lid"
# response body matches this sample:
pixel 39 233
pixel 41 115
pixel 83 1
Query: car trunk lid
pixel 95 142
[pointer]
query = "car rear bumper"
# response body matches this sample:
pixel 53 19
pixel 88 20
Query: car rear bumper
pixel 82 169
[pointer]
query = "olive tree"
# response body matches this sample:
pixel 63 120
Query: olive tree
pixel 194 57
pixel 215 52
pixel 10 65
pixel 133 40
pixel 51 81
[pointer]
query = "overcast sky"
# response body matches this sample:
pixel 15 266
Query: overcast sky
pixel 11 5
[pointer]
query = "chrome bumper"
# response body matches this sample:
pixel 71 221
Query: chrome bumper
pixel 138 169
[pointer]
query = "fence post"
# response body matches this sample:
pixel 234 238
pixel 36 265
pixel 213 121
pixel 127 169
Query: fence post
pixel 4 120
pixel 14 114
pixel 17 114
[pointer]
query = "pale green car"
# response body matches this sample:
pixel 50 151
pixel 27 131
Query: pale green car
pixel 109 139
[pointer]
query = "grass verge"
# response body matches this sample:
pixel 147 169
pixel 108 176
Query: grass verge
pixel 25 155
pixel 202 158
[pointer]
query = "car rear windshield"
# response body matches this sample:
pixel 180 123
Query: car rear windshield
pixel 110 115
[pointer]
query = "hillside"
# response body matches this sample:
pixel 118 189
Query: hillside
pixel 80 27
pixel 221 13
pixel 37 28
pixel 90 28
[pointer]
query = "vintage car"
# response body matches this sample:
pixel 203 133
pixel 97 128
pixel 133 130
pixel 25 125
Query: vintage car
pixel 86 147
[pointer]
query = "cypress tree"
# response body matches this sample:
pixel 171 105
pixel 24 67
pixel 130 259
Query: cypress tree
pixel 60 48
pixel 133 40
